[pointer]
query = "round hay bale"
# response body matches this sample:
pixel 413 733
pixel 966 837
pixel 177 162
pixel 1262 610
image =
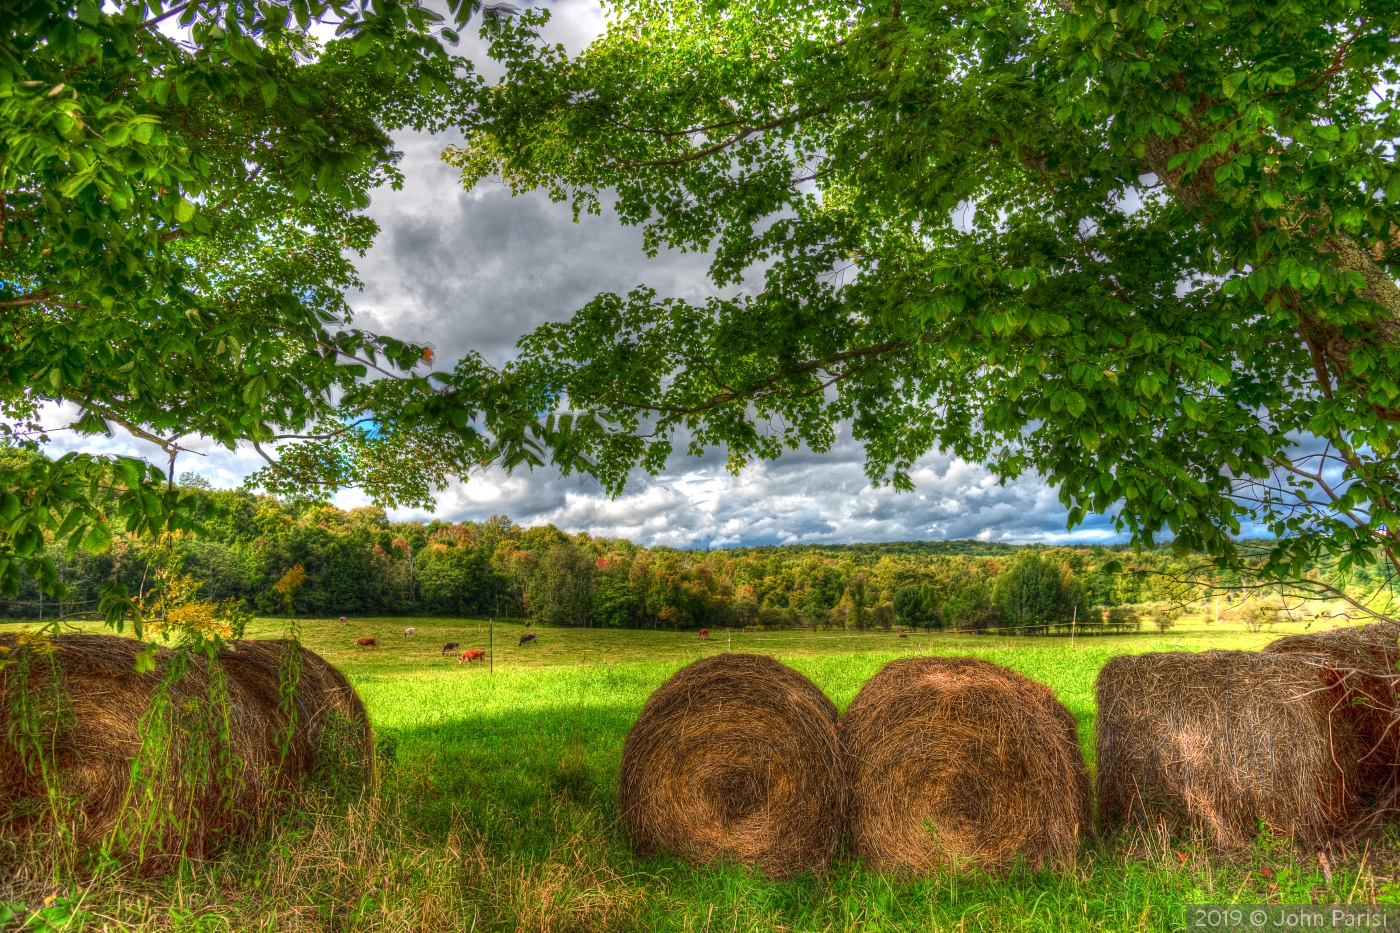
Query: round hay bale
pixel 1361 670
pixel 735 757
pixel 955 760
pixel 331 738
pixel 1215 741
pixel 92 716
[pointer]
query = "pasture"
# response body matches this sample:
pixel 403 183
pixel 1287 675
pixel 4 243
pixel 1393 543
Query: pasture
pixel 496 806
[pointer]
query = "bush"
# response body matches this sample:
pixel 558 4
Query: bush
pixel 1124 619
pixel 775 618
pixel 1257 615
pixel 1162 619
pixel 909 606
pixel 743 612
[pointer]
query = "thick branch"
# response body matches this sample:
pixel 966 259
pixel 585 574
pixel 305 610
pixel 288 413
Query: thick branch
pixel 33 298
pixel 725 143
pixel 754 389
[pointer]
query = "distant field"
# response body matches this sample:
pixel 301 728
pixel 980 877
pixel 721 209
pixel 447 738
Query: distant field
pixel 477 826
pixel 407 682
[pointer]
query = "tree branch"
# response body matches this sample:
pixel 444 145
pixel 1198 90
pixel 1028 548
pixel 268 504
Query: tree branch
pixel 725 143
pixel 33 298
pixel 753 389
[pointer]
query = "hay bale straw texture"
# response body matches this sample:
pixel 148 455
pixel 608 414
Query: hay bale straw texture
pixel 735 757
pixel 99 736
pixel 333 727
pixel 956 761
pixel 1360 669
pixel 1214 741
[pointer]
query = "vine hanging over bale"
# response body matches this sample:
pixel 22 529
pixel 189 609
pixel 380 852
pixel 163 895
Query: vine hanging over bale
pixel 158 765
pixel 957 760
pixel 1360 668
pixel 1215 741
pixel 736 756
pixel 323 726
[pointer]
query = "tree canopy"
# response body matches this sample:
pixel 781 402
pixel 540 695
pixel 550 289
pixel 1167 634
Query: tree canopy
pixel 1146 250
pixel 360 563
pixel 181 195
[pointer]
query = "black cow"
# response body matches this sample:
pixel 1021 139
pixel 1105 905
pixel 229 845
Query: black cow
pixel 450 646
pixel 528 636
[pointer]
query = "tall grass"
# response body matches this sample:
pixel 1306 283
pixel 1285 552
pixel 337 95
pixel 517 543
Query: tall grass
pixel 497 811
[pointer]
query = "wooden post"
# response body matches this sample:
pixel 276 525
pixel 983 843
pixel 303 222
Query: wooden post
pixel 1072 620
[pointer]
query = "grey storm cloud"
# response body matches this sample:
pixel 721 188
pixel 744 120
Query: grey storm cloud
pixel 476 270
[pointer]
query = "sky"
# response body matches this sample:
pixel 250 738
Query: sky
pixel 476 270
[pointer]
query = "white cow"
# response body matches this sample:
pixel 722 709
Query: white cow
pixel 409 631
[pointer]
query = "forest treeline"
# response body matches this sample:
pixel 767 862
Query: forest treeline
pixel 358 562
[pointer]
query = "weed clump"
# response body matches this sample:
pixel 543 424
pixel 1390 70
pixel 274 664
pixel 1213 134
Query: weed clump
pixel 1222 742
pixel 954 761
pixel 735 757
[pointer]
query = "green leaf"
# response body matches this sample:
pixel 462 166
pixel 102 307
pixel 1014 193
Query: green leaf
pixel 99 538
pixel 184 211
pixel 146 659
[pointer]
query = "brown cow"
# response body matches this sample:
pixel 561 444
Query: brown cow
pixel 902 635
pixel 473 654
pixel 366 642
pixel 704 634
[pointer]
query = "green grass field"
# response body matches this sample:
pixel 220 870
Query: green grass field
pixel 485 820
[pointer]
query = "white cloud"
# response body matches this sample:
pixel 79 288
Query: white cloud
pixel 801 498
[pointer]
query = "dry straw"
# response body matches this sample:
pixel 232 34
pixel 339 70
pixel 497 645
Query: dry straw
pixel 155 765
pixel 735 757
pixel 956 761
pixel 331 728
pixel 1215 741
pixel 1360 670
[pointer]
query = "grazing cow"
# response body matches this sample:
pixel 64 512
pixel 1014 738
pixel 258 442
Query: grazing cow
pixel 704 634
pixel 473 654
pixel 528 636
pixel 450 646
pixel 342 620
pixel 902 635
pixel 410 632
pixel 366 642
